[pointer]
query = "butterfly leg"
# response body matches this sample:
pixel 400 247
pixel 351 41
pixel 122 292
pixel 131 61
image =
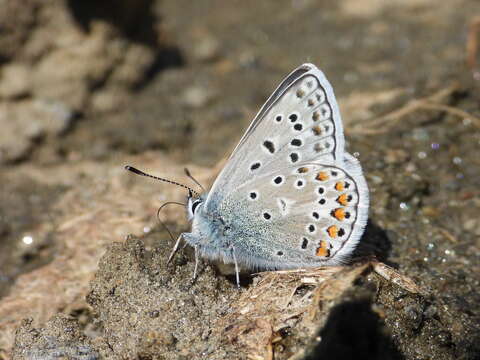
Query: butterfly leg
pixel 237 273
pixel 175 248
pixel 196 263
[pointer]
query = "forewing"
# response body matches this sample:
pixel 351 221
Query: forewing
pixel 307 215
pixel 299 123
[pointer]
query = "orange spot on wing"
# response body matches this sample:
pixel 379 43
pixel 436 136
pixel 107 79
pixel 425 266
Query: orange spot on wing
pixel 343 200
pixel 302 170
pixel 332 231
pixel 317 130
pixel 323 249
pixel 339 214
pixel 339 186
pixel 322 176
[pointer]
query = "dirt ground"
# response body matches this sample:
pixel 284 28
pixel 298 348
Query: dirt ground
pixel 87 87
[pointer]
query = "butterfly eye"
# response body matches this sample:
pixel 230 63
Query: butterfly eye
pixel 195 204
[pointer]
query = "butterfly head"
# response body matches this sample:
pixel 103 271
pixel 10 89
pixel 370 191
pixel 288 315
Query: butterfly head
pixel 194 203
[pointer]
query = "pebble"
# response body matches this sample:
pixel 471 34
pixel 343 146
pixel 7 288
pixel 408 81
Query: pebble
pixel 472 225
pixel 197 97
pixel 396 156
pixel 206 49
pixel 14 81
pixel 24 122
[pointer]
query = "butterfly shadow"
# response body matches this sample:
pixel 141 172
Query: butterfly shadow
pixel 228 270
pixel 354 331
pixel 375 243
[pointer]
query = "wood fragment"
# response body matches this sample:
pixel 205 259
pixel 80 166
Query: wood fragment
pixel 385 123
pixel 394 276
pixel 472 46
pixel 448 235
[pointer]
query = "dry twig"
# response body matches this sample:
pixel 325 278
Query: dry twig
pixel 386 122
pixel 472 46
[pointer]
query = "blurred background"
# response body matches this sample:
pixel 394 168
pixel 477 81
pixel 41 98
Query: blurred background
pixel 99 82
pixel 95 79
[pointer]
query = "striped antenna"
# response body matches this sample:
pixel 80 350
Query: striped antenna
pixel 139 172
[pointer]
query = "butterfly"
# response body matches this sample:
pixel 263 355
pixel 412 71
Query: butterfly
pixel 289 195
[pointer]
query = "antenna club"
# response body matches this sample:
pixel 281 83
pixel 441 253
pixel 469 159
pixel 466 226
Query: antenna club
pixel 134 170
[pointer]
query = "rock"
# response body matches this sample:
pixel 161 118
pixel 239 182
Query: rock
pixel 55 118
pixel 108 100
pixel 197 97
pixel 17 133
pixel 64 63
pixel 14 81
pixel 472 225
pixel 132 66
pixel 17 21
pixel 206 49
pixel 24 122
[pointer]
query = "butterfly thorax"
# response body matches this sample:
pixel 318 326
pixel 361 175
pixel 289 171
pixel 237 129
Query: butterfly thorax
pixel 209 229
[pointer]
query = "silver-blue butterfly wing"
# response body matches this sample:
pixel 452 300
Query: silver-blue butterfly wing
pixel 297 137
pixel 319 122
